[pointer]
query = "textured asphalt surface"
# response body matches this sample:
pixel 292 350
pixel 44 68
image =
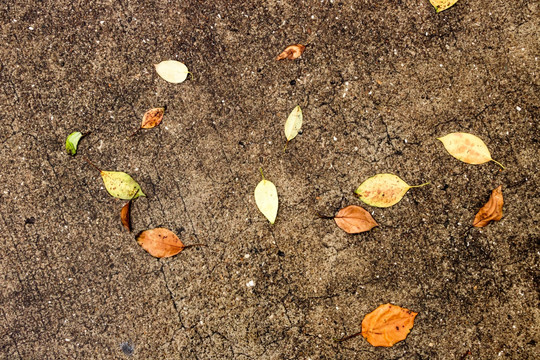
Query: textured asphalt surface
pixel 378 83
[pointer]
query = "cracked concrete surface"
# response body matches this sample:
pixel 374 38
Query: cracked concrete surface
pixel 378 83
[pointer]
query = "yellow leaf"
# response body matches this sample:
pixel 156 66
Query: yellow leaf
pixel 266 198
pixel 172 71
pixel 467 148
pixel 383 190
pixel 293 123
pixel 441 5
pixel 121 185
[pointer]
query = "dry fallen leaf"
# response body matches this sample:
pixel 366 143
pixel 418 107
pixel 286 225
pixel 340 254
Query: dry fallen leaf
pixel 124 216
pixel 172 71
pixel 151 118
pixel 266 198
pixel 383 190
pixel 467 148
pixel 160 242
pixel 293 124
pixel 441 5
pixel 291 52
pixel 354 219
pixel 386 325
pixel 119 184
pixel 492 210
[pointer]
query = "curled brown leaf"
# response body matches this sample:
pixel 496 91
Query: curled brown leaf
pixel 492 210
pixel 291 52
pixel 124 216
pixel 354 219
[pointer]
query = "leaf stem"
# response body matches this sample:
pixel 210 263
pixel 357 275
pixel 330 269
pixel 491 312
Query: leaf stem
pixel 416 186
pixel 193 245
pixel 498 163
pixel 324 217
pixel 348 337
pixel 285 148
pixel 136 131
pixel 260 169
pixel 94 166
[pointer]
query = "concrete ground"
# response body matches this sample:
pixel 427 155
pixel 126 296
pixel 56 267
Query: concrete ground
pixel 378 83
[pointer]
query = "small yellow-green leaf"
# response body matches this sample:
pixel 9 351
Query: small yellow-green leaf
pixel 293 123
pixel 72 141
pixel 383 190
pixel 121 185
pixel 467 148
pixel 441 5
pixel 172 71
pixel 266 198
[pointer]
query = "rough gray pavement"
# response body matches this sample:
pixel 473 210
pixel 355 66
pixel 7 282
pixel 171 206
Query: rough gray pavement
pixel 378 83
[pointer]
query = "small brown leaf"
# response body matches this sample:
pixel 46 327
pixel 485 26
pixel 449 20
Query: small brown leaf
pixel 387 325
pixel 354 219
pixel 492 210
pixel 124 216
pixel 291 52
pixel 152 118
pixel 160 242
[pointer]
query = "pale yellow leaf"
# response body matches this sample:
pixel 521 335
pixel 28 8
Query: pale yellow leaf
pixel 467 148
pixel 266 198
pixel 172 71
pixel 293 123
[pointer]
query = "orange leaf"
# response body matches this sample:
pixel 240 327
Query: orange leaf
pixel 354 219
pixel 160 242
pixel 152 118
pixel 492 210
pixel 124 216
pixel 291 52
pixel 387 325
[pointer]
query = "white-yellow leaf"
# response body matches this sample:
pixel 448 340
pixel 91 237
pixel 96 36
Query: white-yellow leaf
pixel 293 123
pixel 172 71
pixel 266 198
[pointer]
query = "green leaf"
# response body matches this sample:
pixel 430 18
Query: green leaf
pixel 266 198
pixel 72 141
pixel 383 190
pixel 121 185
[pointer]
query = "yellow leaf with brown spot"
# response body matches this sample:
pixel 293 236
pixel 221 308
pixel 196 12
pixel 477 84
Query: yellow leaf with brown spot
pixel 383 190
pixel 467 148
pixel 441 5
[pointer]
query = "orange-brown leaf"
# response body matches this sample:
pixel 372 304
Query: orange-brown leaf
pixel 354 219
pixel 160 242
pixel 492 210
pixel 152 118
pixel 124 216
pixel 387 325
pixel 291 52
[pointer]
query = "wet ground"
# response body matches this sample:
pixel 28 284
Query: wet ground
pixel 378 83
